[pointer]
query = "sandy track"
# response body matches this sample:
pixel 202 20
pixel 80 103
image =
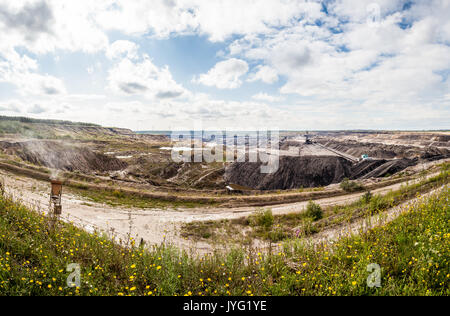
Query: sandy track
pixel 155 226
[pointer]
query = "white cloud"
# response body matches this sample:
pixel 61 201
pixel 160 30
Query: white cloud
pixel 122 48
pixel 21 71
pixel 37 109
pixel 265 74
pixel 357 11
pixel 35 84
pixel 266 97
pixel 224 75
pixel 10 107
pixel 393 72
pixel 219 19
pixel 143 79
pixel 44 26
pixel 380 66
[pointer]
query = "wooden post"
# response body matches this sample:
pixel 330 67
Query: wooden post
pixel 2 187
pixel 55 207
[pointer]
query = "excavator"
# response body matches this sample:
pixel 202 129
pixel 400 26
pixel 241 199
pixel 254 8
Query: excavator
pixel 308 140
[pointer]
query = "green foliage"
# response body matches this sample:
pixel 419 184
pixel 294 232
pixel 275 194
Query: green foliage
pixel 118 194
pixel 351 186
pixel 366 198
pixel 262 218
pixel 314 211
pixel 379 203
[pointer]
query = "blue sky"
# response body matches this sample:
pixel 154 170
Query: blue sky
pixel 176 64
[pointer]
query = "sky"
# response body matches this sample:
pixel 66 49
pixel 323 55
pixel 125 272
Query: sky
pixel 228 64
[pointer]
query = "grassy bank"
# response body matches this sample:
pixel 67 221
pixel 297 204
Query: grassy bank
pixel 412 252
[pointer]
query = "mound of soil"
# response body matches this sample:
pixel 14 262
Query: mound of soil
pixel 311 171
pixel 56 155
pixel 293 172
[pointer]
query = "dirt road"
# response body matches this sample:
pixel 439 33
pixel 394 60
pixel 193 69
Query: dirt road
pixel 155 226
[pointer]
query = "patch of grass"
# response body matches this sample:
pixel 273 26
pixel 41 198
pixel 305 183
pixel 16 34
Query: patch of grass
pixel 351 186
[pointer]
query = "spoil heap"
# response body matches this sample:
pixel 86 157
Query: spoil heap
pixel 56 155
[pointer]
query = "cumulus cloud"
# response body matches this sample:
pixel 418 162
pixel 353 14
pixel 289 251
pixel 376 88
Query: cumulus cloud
pixel 218 19
pixel 325 54
pixel 21 71
pixel 45 26
pixel 122 48
pixel 264 73
pixel 224 75
pixel 401 60
pixel 143 78
pixel 32 19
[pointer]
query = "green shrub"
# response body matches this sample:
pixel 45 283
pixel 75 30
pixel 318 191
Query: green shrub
pixel 366 198
pixel 277 235
pixel 351 186
pixel 263 218
pixel 314 211
pixel 118 194
pixel 378 203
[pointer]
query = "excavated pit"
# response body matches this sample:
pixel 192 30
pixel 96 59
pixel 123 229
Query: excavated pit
pixel 312 171
pixel 293 172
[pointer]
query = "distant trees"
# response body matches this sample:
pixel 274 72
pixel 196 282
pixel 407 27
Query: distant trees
pixel 43 121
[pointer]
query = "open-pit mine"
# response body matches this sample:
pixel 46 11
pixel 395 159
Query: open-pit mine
pixel 128 184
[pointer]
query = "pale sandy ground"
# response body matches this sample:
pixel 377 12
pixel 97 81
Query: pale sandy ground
pixel 155 226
